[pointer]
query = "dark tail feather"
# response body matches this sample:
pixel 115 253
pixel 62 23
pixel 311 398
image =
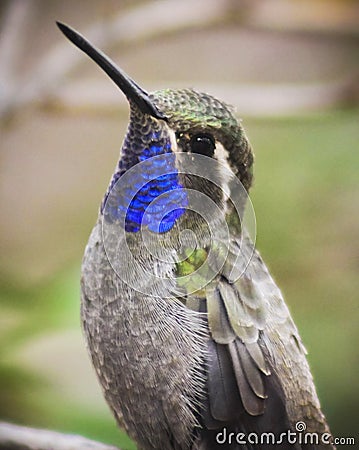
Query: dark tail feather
pixel 226 423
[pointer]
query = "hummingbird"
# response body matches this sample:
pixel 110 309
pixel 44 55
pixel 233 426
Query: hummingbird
pixel 189 335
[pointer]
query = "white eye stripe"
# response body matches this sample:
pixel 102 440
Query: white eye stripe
pixel 173 140
pixel 222 156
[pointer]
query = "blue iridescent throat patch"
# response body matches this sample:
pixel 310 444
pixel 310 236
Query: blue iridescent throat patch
pixel 151 195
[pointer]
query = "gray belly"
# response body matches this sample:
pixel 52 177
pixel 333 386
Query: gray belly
pixel 148 353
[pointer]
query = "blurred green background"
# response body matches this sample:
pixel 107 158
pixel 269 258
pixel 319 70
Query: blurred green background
pixel 290 68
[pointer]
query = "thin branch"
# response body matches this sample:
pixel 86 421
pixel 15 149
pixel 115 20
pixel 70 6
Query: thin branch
pixel 15 437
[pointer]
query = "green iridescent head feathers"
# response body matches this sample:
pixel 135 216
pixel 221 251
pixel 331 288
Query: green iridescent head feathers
pixel 188 112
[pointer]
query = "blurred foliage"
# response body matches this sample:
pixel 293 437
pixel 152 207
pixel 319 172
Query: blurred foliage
pixel 306 202
pixel 26 397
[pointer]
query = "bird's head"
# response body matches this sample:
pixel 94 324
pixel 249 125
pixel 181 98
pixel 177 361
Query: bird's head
pixel 178 141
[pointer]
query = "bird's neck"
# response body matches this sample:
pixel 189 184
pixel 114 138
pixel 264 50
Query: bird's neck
pixel 145 190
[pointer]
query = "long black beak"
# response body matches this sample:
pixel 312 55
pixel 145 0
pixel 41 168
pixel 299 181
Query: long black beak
pixel 132 91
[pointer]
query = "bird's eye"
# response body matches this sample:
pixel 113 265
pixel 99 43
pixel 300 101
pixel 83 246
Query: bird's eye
pixel 203 144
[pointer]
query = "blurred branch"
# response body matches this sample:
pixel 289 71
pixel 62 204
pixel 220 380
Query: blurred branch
pixel 278 99
pixel 14 437
pixel 11 37
pixel 142 23
pixel 319 16
pixel 154 19
pixel 11 30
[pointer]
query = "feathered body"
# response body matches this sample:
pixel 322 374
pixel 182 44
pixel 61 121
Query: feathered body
pixel 189 340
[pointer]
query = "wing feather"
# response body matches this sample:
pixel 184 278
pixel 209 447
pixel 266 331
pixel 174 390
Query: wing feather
pixel 252 403
pixel 221 330
pixel 221 384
